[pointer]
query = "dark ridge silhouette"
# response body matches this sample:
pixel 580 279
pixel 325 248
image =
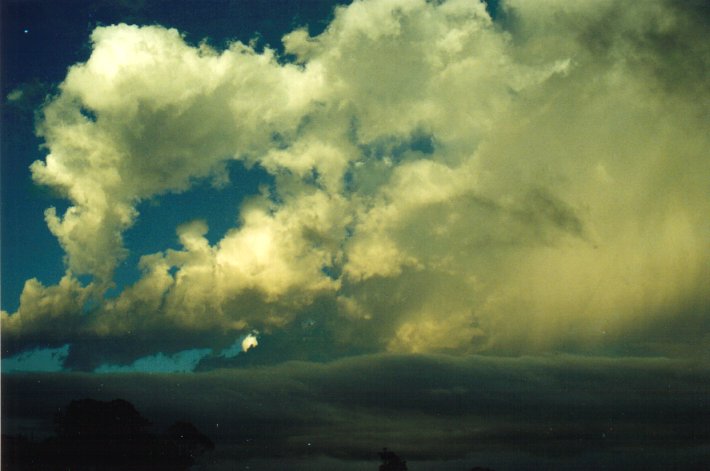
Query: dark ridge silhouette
pixel 391 462
pixel 99 420
pixel 111 435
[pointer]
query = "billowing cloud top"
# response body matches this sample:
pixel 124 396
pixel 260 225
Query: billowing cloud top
pixel 443 182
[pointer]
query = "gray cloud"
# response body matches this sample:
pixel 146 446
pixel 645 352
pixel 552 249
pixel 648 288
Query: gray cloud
pixel 557 410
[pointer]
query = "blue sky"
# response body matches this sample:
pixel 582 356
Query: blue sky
pixel 296 203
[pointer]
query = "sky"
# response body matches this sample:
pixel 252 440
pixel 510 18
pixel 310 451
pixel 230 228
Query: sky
pixel 475 233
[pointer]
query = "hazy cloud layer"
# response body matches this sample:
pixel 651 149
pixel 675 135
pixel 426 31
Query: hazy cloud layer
pixel 443 183
pixel 555 412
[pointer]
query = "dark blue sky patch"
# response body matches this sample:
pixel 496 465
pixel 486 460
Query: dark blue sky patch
pixel 333 271
pixel 160 216
pixel 380 155
pixel 28 249
pixel 494 8
pixel 396 147
pixel 88 114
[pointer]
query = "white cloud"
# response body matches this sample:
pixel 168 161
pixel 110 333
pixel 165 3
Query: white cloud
pixel 240 345
pixel 250 341
pixel 452 185
pixel 47 312
pixel 166 114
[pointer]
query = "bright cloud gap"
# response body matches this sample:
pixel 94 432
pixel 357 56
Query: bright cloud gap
pixel 38 360
pixel 186 361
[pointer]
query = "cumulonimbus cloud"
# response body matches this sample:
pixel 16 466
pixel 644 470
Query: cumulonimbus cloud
pixel 448 182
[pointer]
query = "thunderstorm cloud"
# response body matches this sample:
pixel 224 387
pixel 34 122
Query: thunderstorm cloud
pixel 440 182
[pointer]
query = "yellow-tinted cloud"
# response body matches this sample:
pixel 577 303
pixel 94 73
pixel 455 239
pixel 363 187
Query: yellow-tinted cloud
pixel 451 183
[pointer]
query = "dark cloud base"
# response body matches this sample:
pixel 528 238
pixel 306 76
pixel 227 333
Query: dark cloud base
pixel 438 412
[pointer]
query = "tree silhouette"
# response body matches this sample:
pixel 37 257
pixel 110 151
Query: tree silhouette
pixel 391 462
pixel 185 442
pixel 93 435
pixel 91 419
